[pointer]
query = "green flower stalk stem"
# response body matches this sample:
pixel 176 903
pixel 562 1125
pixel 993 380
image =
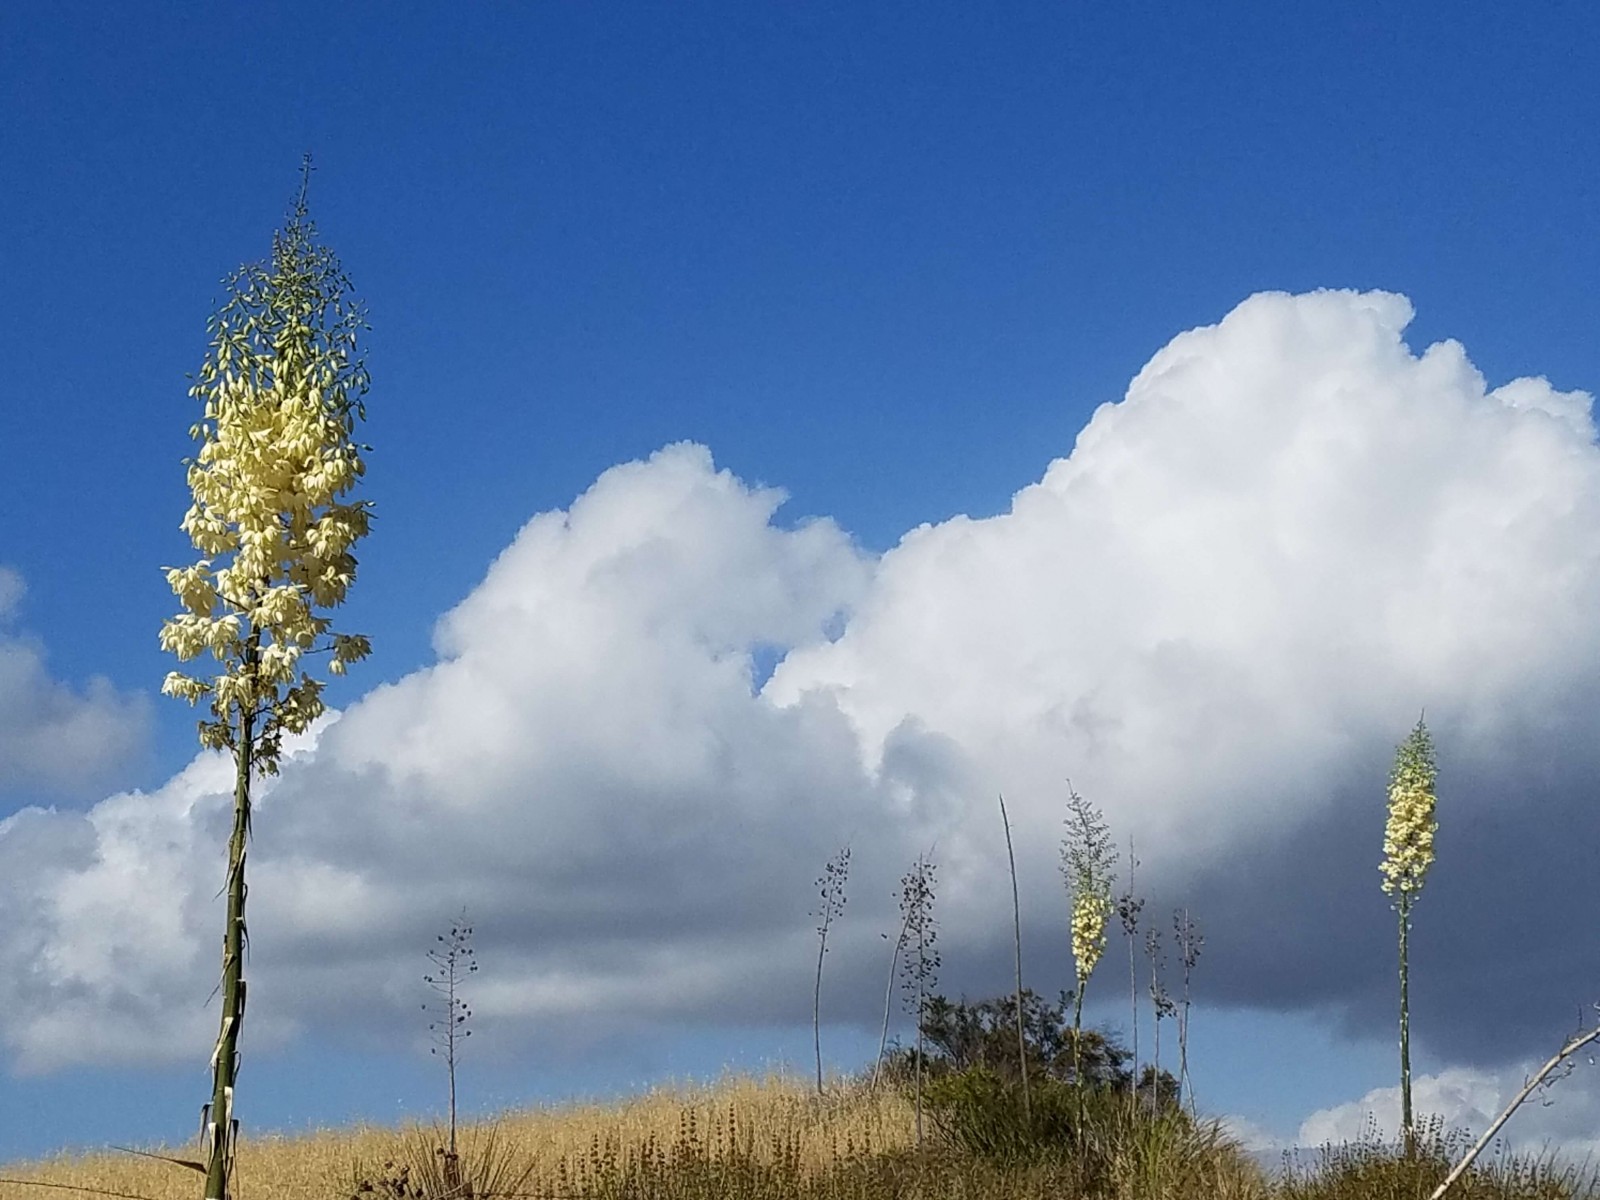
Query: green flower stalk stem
pixel 281 391
pixel 1407 855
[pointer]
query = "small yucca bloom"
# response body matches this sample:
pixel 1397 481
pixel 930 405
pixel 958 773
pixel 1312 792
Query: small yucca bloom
pixel 1087 862
pixel 1409 832
pixel 1407 855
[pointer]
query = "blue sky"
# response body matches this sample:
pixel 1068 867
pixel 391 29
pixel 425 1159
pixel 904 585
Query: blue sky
pixel 890 259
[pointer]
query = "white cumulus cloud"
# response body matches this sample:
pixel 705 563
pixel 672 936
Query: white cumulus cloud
pixel 52 735
pixel 1561 1113
pixel 1217 615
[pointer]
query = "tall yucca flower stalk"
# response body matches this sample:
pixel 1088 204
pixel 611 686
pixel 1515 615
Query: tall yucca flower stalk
pixel 1016 933
pixel 1407 855
pixel 830 886
pixel 1129 906
pixel 922 961
pixel 1087 862
pixel 280 391
pixel 1190 942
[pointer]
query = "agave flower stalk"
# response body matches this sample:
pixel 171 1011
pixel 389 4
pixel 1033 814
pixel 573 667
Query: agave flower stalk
pixel 831 887
pixel 1407 855
pixel 1016 935
pixel 1087 862
pixel 1190 942
pixel 281 392
pixel 921 963
pixel 1162 1004
pixel 453 960
pixel 1129 906
pixel 888 996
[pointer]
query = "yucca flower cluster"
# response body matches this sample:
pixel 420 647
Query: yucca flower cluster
pixel 1091 910
pixel 281 392
pixel 1087 860
pixel 1409 832
pixel 1407 855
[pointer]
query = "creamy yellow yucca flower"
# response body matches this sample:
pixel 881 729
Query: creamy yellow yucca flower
pixel 1091 910
pixel 1087 862
pixel 281 393
pixel 1409 832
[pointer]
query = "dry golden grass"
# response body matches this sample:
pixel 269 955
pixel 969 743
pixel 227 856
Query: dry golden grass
pixel 769 1114
pixel 675 1143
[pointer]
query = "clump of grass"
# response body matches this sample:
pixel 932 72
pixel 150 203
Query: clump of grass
pixel 485 1165
pixel 1372 1169
pixel 1100 1140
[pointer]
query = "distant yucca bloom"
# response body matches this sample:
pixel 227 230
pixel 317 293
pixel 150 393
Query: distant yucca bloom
pixel 1087 863
pixel 1407 855
pixel 1408 835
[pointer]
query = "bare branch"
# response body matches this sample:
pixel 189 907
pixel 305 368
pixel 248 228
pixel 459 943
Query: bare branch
pixel 1528 1089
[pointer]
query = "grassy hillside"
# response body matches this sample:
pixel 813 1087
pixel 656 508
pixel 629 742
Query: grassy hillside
pixel 774 1139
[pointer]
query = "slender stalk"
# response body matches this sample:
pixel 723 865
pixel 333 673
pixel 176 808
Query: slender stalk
pixel 1407 1127
pixel 1190 943
pixel 1155 1075
pixel 888 1000
pixel 452 964
pixel 450 1065
pixel 916 901
pixel 221 1128
pixel 1129 906
pixel 831 886
pixel 1077 1051
pixel 816 1005
pixel 922 946
pixel 1077 1036
pixel 1133 996
pixel 1016 929
pixel 1163 1007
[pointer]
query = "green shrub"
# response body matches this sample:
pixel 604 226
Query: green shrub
pixel 976 1111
